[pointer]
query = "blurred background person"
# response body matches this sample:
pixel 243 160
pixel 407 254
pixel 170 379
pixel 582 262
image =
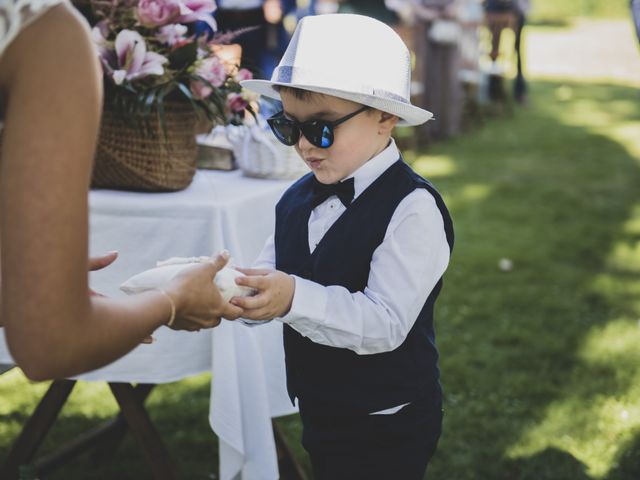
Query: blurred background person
pixel 264 44
pixel 436 46
pixel 371 8
pixel 521 9
pixel 501 14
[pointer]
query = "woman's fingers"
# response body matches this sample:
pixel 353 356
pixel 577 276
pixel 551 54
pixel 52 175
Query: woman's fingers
pixel 230 311
pixel 101 261
pixel 220 260
pixel 200 323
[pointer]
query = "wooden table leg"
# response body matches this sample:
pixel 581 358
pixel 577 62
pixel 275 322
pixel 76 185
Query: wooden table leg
pixel 132 416
pixel 104 438
pixel 289 468
pixel 36 428
pixel 136 416
pixel 118 429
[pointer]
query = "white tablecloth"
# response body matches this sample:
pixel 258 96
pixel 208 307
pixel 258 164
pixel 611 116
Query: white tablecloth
pixel 219 210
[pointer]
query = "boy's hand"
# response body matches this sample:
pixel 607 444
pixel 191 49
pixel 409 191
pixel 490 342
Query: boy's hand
pixel 275 293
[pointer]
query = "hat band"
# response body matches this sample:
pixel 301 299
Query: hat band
pixel 305 78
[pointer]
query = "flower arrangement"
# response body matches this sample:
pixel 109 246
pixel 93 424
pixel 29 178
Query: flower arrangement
pixel 152 51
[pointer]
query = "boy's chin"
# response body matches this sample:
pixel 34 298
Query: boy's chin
pixel 326 177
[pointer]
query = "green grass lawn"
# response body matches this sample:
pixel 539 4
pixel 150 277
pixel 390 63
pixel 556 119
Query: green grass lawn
pixel 540 364
pixel 560 10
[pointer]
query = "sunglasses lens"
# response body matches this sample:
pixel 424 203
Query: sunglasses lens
pixel 319 134
pixel 284 130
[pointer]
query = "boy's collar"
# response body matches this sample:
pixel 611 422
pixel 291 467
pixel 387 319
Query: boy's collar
pixel 372 169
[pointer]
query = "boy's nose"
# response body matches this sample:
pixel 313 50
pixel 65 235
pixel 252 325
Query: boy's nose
pixel 303 143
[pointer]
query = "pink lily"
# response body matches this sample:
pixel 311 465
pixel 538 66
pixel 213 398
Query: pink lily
pixel 155 13
pixel 133 59
pixel 198 10
pixel 99 37
pixel 243 74
pixel 236 102
pixel 172 35
pixel 212 70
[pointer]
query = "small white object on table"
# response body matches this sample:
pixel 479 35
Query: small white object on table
pixel 218 210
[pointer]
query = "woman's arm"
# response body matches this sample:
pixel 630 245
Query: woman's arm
pixel 53 327
pixel 51 124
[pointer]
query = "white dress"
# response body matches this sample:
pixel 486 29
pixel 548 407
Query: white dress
pixel 15 15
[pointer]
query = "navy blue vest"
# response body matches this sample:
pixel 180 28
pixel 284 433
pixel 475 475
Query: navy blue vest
pixel 337 380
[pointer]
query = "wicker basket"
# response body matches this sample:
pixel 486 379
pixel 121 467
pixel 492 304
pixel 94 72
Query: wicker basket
pixel 133 153
pixel 260 155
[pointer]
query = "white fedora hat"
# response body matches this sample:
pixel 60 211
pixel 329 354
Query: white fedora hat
pixel 348 56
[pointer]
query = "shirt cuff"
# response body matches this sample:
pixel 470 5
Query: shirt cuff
pixel 308 307
pixel 252 323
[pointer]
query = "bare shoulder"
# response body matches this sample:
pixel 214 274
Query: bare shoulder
pixel 58 43
pixel 52 81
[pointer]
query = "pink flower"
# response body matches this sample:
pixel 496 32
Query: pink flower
pixel 236 102
pixel 99 37
pixel 198 10
pixel 133 60
pixel 200 89
pixel 172 35
pixel 213 71
pixel 155 13
pixel 243 74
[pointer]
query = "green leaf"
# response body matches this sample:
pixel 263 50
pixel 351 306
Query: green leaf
pixel 148 102
pixel 184 56
pixel 187 93
pixel 215 103
pixel 161 116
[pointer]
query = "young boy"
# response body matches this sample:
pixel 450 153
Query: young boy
pixel 359 249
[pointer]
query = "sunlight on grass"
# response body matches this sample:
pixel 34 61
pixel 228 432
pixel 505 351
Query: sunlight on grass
pixel 596 422
pixel 595 429
pixel 632 226
pixel 432 166
pixel 620 120
pixel 475 191
pixel 626 257
pixel 628 134
pixel 546 9
pixel 587 111
pixel 577 52
pixel 615 343
pixel 620 282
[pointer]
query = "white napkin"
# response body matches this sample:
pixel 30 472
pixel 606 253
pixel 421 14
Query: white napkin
pixel 167 269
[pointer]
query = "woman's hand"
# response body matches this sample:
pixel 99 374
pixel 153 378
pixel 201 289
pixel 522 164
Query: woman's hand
pixel 197 300
pixel 275 294
pixel 100 262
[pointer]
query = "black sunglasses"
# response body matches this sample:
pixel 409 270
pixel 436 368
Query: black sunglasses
pixel 318 132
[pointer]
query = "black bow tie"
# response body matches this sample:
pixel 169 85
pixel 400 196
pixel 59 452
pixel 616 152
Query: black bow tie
pixel 343 190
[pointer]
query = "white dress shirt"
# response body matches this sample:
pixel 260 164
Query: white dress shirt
pixel 404 269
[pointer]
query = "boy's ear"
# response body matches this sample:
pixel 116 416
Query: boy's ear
pixel 387 122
